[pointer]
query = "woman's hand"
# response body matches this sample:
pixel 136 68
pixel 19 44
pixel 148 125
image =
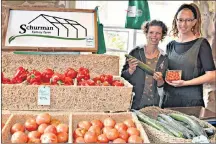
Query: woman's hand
pixel 178 83
pixel 159 78
pixel 132 65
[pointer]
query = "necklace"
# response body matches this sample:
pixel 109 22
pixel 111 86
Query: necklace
pixel 152 54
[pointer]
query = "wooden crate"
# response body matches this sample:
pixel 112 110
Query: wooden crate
pixel 5 116
pixel 68 98
pixel 22 116
pixel 118 117
pixel 96 63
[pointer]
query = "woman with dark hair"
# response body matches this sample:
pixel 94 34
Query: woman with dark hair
pixel 197 27
pixel 193 56
pixel 145 86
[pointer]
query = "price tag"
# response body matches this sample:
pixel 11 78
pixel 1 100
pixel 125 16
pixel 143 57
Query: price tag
pixel 44 95
pixel 200 139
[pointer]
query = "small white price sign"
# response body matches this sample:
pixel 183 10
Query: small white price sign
pixel 44 95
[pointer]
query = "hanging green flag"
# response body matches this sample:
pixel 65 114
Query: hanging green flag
pixel 137 13
pixel 101 40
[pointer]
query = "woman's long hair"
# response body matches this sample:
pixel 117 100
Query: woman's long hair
pixel 196 28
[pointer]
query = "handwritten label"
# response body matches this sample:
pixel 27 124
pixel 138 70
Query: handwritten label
pixel 44 95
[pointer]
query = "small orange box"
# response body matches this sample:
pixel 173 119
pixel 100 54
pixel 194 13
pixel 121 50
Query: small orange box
pixel 173 75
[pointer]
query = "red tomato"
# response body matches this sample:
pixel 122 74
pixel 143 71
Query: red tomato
pixel 105 129
pixel 129 123
pixel 50 129
pixel 124 135
pixel 97 123
pixel 62 128
pixel 90 137
pixel 121 126
pixel 17 127
pixel 43 118
pixel 79 132
pixel 119 140
pixel 172 75
pixel 95 129
pixel 62 137
pixel 133 131
pixel 42 127
pixel 117 83
pixel 135 139
pixel 108 78
pixel 84 124
pixel 79 140
pixel 103 139
pixel 48 138
pixel 112 134
pixel 109 122
pixel 31 124
pixel 97 80
pixel 19 137
pixel 34 134
pixel 102 78
pixel 34 140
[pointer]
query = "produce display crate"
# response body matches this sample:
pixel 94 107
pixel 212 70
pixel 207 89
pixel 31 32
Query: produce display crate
pixel 83 102
pixel 5 116
pixel 96 63
pixel 73 98
pixel 22 116
pixel 118 117
pixel 156 136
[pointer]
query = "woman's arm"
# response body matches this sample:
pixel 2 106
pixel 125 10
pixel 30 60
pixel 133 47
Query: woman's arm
pixel 208 77
pixel 206 58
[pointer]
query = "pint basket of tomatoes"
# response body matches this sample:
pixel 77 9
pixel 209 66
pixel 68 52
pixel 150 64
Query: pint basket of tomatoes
pixel 173 75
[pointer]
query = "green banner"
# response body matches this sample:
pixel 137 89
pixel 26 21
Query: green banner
pixel 137 13
pixel 101 40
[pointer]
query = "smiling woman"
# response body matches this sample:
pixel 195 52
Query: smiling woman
pixel 144 85
pixel 192 56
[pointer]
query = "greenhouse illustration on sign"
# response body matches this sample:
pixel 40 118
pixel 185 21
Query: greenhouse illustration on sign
pixel 48 26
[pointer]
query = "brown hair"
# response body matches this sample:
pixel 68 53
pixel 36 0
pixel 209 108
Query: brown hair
pixel 197 27
pixel 145 27
pixel 195 10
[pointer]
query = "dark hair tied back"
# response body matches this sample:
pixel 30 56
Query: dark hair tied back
pixel 190 7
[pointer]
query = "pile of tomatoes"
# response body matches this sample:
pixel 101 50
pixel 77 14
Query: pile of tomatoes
pixel 49 77
pixel 173 75
pixel 41 129
pixel 106 131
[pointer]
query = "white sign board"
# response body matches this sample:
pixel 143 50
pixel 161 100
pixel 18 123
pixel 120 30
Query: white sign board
pixel 57 29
